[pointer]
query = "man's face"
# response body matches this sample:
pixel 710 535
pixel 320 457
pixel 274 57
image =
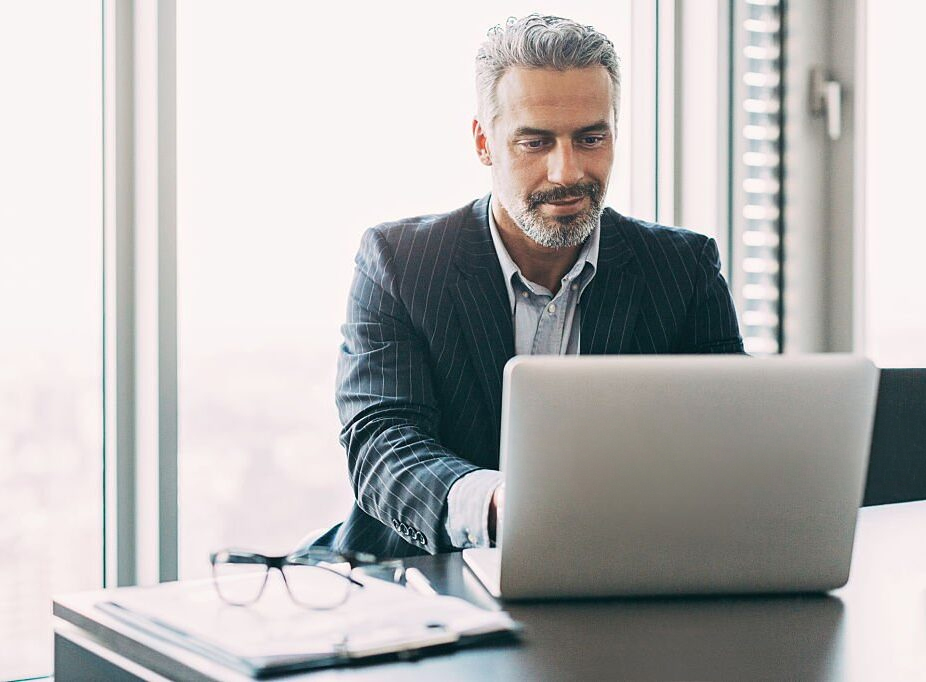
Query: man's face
pixel 551 148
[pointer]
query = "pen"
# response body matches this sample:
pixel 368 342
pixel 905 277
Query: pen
pixel 416 580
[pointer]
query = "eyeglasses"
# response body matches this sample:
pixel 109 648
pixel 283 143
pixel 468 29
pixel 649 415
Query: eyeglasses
pixel 314 578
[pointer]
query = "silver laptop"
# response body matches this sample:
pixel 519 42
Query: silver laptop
pixel 662 475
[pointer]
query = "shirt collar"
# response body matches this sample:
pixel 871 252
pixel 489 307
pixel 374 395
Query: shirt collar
pixel 588 255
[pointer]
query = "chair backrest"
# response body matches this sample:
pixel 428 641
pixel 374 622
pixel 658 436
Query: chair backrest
pixel 897 468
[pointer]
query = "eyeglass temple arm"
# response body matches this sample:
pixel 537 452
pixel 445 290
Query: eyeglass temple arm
pixel 297 560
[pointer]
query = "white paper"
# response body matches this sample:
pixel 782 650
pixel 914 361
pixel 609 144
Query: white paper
pixel 381 617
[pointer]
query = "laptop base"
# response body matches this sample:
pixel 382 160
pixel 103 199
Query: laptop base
pixel 486 564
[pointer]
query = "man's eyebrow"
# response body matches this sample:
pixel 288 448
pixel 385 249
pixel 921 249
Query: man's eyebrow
pixel 527 130
pixel 598 126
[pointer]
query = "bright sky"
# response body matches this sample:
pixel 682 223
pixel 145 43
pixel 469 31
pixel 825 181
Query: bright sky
pixel 50 178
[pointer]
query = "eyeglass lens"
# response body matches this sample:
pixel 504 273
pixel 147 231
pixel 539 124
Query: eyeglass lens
pixel 318 586
pixel 239 583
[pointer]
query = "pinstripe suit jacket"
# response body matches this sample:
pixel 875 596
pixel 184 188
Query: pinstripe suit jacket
pixel 428 334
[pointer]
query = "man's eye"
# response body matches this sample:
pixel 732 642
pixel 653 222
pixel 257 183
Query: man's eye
pixel 533 144
pixel 592 140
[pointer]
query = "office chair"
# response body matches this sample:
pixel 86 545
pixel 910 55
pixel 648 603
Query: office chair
pixel 897 466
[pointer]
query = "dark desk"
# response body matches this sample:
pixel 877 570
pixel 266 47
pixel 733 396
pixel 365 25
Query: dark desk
pixel 874 628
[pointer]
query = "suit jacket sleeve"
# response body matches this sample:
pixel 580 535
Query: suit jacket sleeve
pixel 711 323
pixel 400 472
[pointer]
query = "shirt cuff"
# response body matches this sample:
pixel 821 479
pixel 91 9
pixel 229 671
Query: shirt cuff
pixel 468 508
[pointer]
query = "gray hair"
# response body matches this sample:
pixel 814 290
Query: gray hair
pixel 540 42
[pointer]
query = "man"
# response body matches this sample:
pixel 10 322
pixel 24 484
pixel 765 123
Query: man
pixel 440 303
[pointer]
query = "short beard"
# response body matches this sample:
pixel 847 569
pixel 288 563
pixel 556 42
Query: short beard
pixel 560 232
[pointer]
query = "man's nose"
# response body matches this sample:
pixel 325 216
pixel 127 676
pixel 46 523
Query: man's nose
pixel 564 166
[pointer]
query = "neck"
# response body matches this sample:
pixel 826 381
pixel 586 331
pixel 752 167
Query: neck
pixel 540 264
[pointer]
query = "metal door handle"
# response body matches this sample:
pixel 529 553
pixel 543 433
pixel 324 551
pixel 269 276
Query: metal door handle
pixel 826 101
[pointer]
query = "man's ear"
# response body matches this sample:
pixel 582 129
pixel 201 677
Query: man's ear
pixel 482 143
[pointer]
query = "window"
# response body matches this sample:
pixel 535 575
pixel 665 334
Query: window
pixel 51 326
pixel 294 135
pixel 894 276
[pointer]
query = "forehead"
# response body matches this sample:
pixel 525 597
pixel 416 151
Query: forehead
pixel 554 100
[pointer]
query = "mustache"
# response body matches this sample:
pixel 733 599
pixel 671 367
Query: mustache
pixel 586 189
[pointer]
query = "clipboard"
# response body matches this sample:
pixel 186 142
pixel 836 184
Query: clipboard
pixel 273 636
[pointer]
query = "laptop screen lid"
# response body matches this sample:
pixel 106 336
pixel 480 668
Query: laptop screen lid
pixel 632 475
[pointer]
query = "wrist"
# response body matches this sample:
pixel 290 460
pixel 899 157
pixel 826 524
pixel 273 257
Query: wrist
pixel 495 509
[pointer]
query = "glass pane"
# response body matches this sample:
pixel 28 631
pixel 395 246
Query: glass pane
pixel 50 328
pixel 297 130
pixel 895 241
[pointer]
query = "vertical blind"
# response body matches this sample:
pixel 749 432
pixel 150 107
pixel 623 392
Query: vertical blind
pixel 757 150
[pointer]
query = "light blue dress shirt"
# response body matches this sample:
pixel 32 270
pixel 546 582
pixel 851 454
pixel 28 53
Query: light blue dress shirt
pixel 544 323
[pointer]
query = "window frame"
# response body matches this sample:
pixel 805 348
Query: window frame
pixel 140 292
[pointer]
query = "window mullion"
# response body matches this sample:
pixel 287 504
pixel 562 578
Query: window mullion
pixel 140 285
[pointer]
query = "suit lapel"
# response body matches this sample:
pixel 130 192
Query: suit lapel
pixel 610 304
pixel 483 307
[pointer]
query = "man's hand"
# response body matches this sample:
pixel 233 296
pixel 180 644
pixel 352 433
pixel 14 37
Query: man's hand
pixel 496 508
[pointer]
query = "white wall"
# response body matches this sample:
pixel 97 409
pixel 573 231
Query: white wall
pixel 894 178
